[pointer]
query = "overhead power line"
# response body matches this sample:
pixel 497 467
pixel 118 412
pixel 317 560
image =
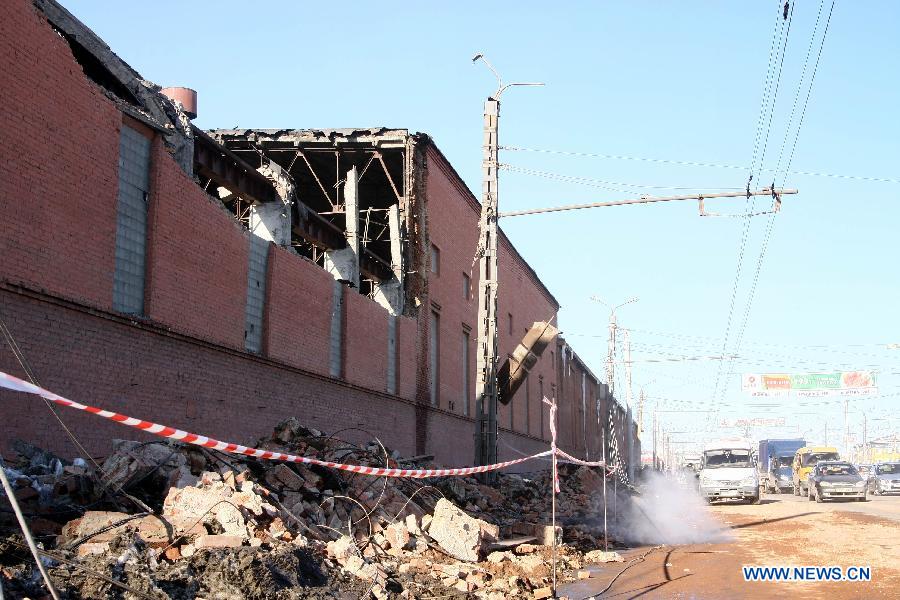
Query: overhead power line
pixel 690 163
pixel 601 183
pixel 787 130
pixel 809 91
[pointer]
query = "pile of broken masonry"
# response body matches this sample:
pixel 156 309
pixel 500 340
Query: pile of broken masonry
pixel 167 520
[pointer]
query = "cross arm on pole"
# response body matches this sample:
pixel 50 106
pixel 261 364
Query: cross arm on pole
pixel 777 193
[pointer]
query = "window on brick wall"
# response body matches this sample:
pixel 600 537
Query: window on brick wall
pixel 464 359
pixel 434 355
pixel 467 287
pixel 509 407
pixel 510 323
pixel 527 405
pixel 541 393
pixel 131 222
pixel 435 260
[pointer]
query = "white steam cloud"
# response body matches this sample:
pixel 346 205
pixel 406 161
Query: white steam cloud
pixel 667 512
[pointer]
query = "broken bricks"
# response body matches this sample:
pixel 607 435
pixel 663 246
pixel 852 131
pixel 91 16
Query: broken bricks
pixel 394 530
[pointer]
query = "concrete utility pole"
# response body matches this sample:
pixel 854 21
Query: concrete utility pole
pixel 865 437
pixel 611 350
pixel 628 405
pixel 611 355
pixel 640 415
pixel 847 426
pixel 627 341
pixel 486 389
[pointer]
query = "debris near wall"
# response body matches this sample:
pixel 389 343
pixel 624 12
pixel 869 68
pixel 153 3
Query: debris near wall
pixel 162 519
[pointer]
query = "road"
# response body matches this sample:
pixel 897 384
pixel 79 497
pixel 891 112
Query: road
pixel 783 530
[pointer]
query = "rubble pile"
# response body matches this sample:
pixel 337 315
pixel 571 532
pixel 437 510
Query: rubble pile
pixel 167 520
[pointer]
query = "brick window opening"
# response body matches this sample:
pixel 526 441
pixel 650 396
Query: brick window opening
pixel 435 260
pixel 467 287
pixel 541 403
pixel 434 354
pixel 464 358
pixel 510 324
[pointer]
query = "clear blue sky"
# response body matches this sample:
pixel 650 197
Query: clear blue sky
pixel 677 80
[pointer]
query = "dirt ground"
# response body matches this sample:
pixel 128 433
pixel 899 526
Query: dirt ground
pixel 784 530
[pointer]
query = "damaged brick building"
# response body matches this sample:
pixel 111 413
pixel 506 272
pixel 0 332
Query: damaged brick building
pixel 222 280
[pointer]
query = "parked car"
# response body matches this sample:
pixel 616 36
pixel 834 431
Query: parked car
pixel 833 480
pixel 885 478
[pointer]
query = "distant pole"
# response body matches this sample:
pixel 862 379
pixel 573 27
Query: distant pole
pixel 628 403
pixel 611 355
pixel 847 426
pixel 605 472
pixel 626 338
pixel 865 436
pixel 641 399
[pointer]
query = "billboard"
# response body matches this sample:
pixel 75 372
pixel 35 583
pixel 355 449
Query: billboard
pixel 753 422
pixel 810 385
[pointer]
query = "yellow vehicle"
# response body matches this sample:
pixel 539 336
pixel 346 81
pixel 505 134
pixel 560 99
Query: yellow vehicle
pixel 804 461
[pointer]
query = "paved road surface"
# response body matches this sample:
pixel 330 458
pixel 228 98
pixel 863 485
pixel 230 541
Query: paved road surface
pixel 783 530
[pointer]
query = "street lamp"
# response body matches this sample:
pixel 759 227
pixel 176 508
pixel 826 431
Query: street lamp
pixel 500 87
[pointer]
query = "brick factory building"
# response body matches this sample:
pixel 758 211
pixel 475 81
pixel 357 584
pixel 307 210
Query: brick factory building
pixel 213 281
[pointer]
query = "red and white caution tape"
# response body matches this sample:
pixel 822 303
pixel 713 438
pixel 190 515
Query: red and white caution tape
pixel 586 463
pixel 14 383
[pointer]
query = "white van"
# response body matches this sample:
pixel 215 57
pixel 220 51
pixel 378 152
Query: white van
pixel 728 471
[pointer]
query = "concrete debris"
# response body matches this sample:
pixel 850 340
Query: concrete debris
pixel 599 556
pixel 229 526
pixel 460 535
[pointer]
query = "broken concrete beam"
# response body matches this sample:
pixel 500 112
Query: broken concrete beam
pixel 542 533
pixel 343 264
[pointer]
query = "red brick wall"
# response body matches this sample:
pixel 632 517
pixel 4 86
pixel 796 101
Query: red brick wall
pixel 298 320
pixel 407 331
pixel 197 260
pixel 184 364
pixel 366 335
pixel 58 164
pixel 179 381
pixel 453 228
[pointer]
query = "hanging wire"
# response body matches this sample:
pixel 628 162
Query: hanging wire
pixel 600 183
